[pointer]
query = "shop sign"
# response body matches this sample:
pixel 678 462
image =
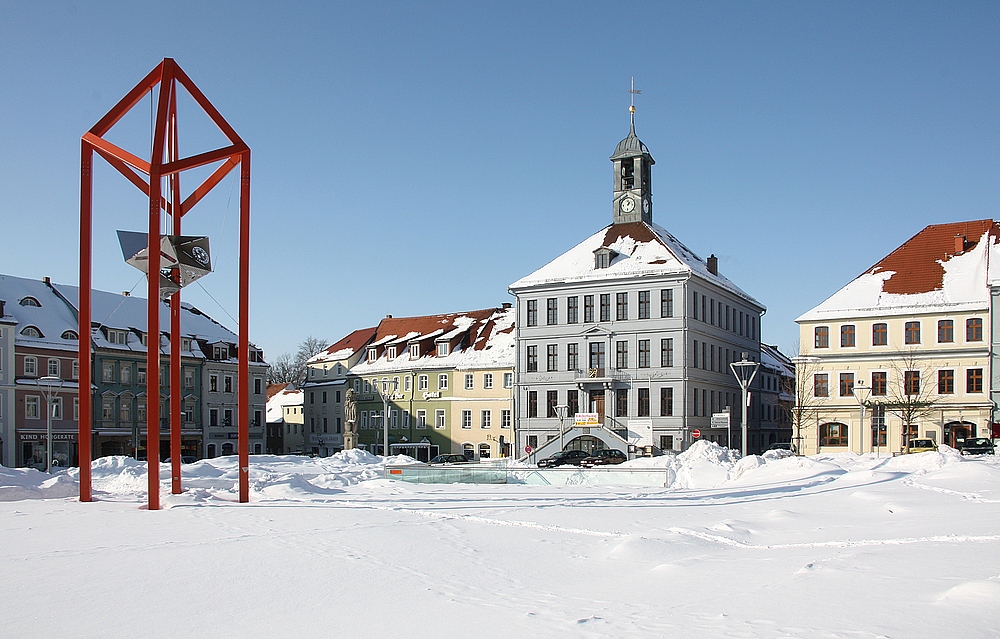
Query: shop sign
pixel 40 437
pixel 432 395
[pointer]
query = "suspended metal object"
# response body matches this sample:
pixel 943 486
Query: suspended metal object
pixel 183 258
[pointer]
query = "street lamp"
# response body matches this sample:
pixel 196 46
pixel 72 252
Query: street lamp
pixel 561 412
pixel 50 386
pixel 744 370
pixel 385 422
pixel 862 393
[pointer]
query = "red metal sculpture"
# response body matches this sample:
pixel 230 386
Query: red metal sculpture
pixel 165 163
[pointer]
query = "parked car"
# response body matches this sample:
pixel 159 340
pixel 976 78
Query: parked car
pixel 977 446
pixel 449 459
pixel 563 457
pixel 604 457
pixel 922 445
pixel 781 446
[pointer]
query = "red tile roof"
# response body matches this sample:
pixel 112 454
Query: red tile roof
pixel 916 263
pixel 424 325
pixel 274 389
pixel 354 341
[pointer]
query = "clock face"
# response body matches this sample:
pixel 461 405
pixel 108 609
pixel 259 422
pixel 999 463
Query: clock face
pixel 645 206
pixel 627 205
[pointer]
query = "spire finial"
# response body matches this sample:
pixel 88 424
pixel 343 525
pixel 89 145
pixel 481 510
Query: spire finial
pixel 631 108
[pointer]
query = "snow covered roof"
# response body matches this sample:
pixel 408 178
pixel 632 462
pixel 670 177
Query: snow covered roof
pixel 345 348
pixel 274 389
pixel 771 357
pixel 643 249
pixel 285 397
pixel 52 317
pixel 943 268
pixel 485 339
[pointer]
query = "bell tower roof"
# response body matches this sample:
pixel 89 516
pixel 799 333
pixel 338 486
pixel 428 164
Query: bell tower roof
pixel 631 146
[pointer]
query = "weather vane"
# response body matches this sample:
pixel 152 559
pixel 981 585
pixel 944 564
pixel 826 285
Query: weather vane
pixel 634 91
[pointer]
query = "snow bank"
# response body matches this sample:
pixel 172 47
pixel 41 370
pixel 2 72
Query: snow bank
pixel 27 483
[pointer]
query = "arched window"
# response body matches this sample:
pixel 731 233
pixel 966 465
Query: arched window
pixel 31 331
pixel 469 450
pixel 29 301
pixel 70 335
pixel 833 434
pixel 227 449
pixel 484 451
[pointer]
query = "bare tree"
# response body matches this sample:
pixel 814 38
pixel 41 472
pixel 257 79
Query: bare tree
pixel 288 368
pixel 804 402
pixel 910 394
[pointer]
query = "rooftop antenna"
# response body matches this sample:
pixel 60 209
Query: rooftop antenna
pixel 631 109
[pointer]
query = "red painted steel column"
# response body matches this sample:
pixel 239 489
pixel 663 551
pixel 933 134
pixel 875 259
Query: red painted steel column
pixel 83 393
pixel 153 346
pixel 243 374
pixel 175 316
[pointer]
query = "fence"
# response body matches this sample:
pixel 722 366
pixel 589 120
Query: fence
pixel 502 474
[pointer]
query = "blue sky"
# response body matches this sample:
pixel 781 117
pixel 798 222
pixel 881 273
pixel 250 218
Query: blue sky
pixel 418 159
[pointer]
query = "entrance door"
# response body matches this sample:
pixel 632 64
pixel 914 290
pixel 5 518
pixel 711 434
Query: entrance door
pixel 957 431
pixel 597 403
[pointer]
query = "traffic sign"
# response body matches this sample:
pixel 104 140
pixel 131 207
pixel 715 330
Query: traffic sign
pixel 527 449
pixel 696 433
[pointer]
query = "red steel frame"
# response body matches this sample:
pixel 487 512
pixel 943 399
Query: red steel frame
pixel 165 163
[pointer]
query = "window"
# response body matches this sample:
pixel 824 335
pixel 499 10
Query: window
pixel 911 333
pixel 227 417
pixel 487 381
pixel 324 397
pixel 29 301
pixel 372 354
pixel 390 353
pixel 126 373
pixel 76 408
pixel 821 385
pixel 532 403
pixel 666 442
pixel 878 425
pixel 227 382
pixel 551 401
pixel 666 302
pixel 31 331
pixel 946 331
pixel 833 434
pixel 621 306
pixel 694 304
pixel 847 336
pixel 108 372
pixel 508 380
pixel 846 384
pixel 532 312
pixel 54 367
pixel 422 383
pixel 466 419
pixel 439 418
pixel 75 373
pixel 442 349
pixel 125 410
pixel 946 382
pixel 189 378
pixel 485 419
pixel 667 352
pixel 407 385
pixel 694 354
pixel 644 353
pixel 108 409
pixel 532 359
pixel 880 334
pixel 552 357
pixel 572 402
pixel 666 402
pixel 621 354
pixel 551 311
pixel 31 407
pixel 368 386
pixel 140 375
pixel 213 417
pixel 443 381
pixel 588 308
pixel 505 418
pixel 643 304
pixel 621 402
pixel 597 356
pixel 911 382
pixel 606 307
pixel 572 357
pixel 974 329
pixel 974 380
pixel 643 408
pixel 421 419
pixel 879 384
pixel 822 336
pixel 414 351
pixel 572 310
pixel 470 381
pixel 312 397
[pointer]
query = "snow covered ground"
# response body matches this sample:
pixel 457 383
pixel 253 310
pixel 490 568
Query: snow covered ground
pixel 827 546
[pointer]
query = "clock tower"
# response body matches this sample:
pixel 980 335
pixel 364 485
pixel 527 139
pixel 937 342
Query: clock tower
pixel 633 201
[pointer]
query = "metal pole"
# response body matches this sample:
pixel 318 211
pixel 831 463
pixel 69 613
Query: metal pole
pixel 243 363
pixel 743 426
pixel 175 312
pixel 83 332
pixel 48 433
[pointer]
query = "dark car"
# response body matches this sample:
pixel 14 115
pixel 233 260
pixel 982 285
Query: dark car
pixel 977 446
pixel 563 457
pixel 604 457
pixel 449 459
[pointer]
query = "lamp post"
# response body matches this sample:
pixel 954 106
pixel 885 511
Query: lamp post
pixel 561 412
pixel 385 423
pixel 862 393
pixel 744 370
pixel 50 386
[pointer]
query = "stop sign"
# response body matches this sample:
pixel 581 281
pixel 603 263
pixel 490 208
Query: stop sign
pixel 696 433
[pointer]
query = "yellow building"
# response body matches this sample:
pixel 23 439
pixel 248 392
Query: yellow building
pixel 911 335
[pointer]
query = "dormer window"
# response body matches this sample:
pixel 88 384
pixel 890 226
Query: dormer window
pixel 414 351
pixel 391 352
pixel 372 354
pixel 70 335
pixel 442 349
pixel 31 331
pixel 220 352
pixel 29 301
pixel 603 257
pixel 186 345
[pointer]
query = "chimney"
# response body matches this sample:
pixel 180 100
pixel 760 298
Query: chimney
pixel 388 316
pixel 2 303
pixel 713 264
pixel 506 305
pixel 126 293
pixel 47 281
pixel 959 244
